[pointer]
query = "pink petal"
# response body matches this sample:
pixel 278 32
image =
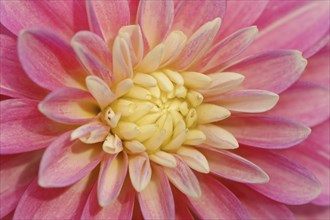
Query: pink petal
pixel 65 162
pixel 90 133
pixel 24 128
pixel 183 178
pixel 265 132
pixel 5 31
pixel 182 212
pixel 16 172
pixel 64 17
pixel 227 49
pixel 281 19
pixel 216 201
pixel 139 171
pixel 320 137
pixel 231 166
pixel 69 105
pixel 48 60
pixel 191 16
pixel 318 68
pixel 14 81
pixel 94 54
pixel 121 208
pixel 247 101
pixel 155 19
pixel 273 71
pixel 107 17
pixel 304 102
pixel 111 178
pixel 197 45
pixel 309 211
pixel 240 14
pixel 289 182
pixel 316 162
pixel 156 201
pixel 55 203
pixel 261 207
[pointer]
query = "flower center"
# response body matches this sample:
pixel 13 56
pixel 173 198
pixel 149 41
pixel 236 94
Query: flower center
pixel 160 112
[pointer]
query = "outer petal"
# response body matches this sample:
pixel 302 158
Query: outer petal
pixel 94 54
pixel 107 17
pixel 155 19
pixel 13 80
pixel 16 172
pixel 317 162
pixel 240 14
pixel 62 203
pixel 309 211
pixel 318 68
pixel 304 102
pixel 189 16
pixel 290 183
pixel 261 207
pixel 182 212
pixel 65 162
pixel 216 201
pixel 24 128
pixel 281 19
pixel 247 101
pixel 263 71
pixel 69 105
pixel 121 208
pixel 320 137
pixel 265 132
pixel 156 201
pixel 231 166
pixel 65 17
pixel 48 60
pixel 111 178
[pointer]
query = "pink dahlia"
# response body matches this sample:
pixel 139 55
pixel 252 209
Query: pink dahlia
pixel 164 109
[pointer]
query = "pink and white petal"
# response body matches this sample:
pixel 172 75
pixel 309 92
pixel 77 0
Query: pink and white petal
pixel 121 208
pixel 111 178
pixel 310 211
pixel 48 60
pixel 322 43
pixel 264 70
pixel 216 201
pixel 197 45
pixel 94 54
pixel 265 131
pixel 69 105
pixel 290 183
pixel 156 200
pixel 189 16
pixel 66 162
pixel 16 172
pixel 281 19
pixel 100 91
pixel 139 171
pixel 305 102
pixel 64 17
pixel 318 68
pixel 173 45
pixel 231 166
pixel 247 101
pixel 13 80
pixel 55 203
pixel 155 19
pixel 316 162
pixel 261 207
pixel 24 128
pixel 240 14
pixel 107 17
pixel 183 178
pixel 91 133
pixel 226 49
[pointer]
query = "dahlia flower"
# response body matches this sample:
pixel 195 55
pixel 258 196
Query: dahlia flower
pixel 164 109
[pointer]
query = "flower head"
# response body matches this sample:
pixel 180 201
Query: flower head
pixel 123 100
